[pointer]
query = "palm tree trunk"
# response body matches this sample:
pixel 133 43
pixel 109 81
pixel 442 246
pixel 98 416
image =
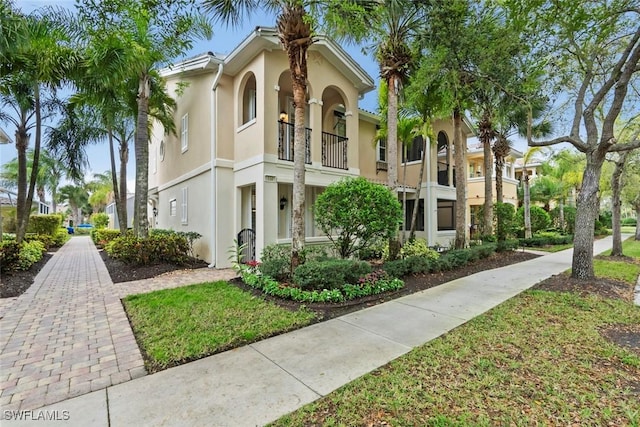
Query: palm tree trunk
pixel 486 135
pixel 123 215
pixel 637 236
pixel 461 181
pixel 392 133
pixel 414 214
pixel 561 214
pixel 22 142
pixel 499 168
pixel 487 211
pixel 141 226
pixel 114 178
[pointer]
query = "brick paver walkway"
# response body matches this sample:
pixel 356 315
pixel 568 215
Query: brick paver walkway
pixel 68 333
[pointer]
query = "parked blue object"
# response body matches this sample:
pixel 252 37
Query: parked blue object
pixel 87 226
pixel 70 230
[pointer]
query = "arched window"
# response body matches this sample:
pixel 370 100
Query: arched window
pixel 249 100
pixel 443 141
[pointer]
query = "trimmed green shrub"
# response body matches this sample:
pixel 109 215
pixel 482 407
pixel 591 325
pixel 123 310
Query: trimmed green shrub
pixel 540 219
pixel 354 213
pixel 507 245
pixel 276 262
pixel 629 222
pixel 457 257
pixel 102 236
pixel 14 256
pixel 9 255
pixel 396 268
pixel 47 240
pixel 418 247
pixel 170 248
pixel 331 274
pixel 61 237
pixel 44 224
pixel 99 220
pixel 505 218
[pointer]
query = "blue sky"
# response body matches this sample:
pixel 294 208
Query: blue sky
pixel 223 41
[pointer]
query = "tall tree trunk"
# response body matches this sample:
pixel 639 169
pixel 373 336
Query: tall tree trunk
pixel 561 214
pixel 414 214
pixel 22 142
pixel 141 226
pixel 392 132
pixel 114 177
pixel 27 189
pixel 527 205
pixel 461 181
pixel 499 169
pixel 616 203
pixel 486 135
pixel 586 213
pixel 298 67
pixel 123 215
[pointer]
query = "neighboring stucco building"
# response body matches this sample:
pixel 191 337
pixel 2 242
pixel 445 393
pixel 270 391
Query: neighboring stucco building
pixel 230 167
pixel 475 181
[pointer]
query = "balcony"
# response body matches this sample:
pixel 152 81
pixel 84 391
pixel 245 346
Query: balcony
pixel 285 142
pixel 334 151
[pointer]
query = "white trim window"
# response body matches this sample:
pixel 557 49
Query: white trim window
pixel 184 133
pixel 381 150
pixel 173 207
pixel 185 205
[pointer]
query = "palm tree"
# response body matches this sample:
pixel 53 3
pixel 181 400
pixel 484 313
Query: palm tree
pixel 149 35
pixel 408 131
pixel 395 25
pixel 526 159
pixel 101 190
pixel 77 197
pixel 48 179
pixel 38 59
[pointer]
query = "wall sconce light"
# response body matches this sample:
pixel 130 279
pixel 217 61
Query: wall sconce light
pixel 284 117
pixel 155 211
pixel 283 203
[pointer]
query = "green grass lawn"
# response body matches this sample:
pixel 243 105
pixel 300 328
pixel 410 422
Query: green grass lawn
pixel 628 229
pixel 554 248
pixel 537 359
pixel 630 248
pixel 174 326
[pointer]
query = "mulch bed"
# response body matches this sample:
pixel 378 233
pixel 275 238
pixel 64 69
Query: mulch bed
pixel 122 272
pixel 14 284
pixel 412 284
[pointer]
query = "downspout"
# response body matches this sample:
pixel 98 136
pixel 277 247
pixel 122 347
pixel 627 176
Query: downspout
pixel 214 130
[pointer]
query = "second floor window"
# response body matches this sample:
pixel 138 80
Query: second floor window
pixel 184 133
pixel 414 151
pixel 381 149
pixel 249 100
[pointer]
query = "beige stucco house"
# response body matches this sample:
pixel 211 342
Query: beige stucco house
pixel 230 167
pixel 475 181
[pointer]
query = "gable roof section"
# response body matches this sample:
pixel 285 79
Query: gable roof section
pixel 266 38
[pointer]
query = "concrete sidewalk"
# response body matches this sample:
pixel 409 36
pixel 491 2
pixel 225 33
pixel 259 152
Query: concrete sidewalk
pixel 256 384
